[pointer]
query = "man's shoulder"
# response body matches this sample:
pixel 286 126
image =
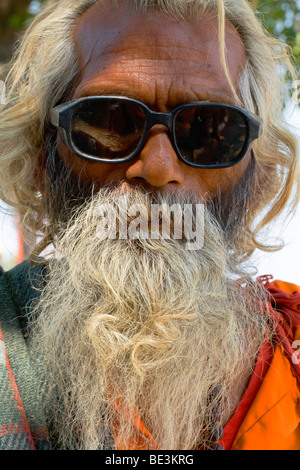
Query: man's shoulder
pixel 287 287
pixel 22 274
pixel 285 298
pixel 19 286
pixel 21 386
pixel 285 310
pixel 20 289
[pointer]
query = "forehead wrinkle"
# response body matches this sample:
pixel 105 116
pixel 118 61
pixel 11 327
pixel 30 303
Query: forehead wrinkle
pixel 119 55
pixel 195 95
pixel 215 89
pixel 134 59
pixel 218 90
pixel 155 95
pixel 114 35
pixel 140 70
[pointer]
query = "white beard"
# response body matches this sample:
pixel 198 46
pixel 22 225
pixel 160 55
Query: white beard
pixel 166 329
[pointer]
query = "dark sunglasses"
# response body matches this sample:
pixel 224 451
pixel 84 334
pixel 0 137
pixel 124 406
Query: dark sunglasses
pixel 115 129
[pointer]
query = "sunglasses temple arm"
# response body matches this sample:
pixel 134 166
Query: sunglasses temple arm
pixel 55 120
pixel 255 130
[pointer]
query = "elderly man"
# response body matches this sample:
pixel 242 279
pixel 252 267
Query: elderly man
pixel 147 339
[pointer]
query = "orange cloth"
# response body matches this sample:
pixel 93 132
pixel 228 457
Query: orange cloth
pixel 273 420
pixel 140 435
pixel 286 286
pixel 260 370
pixel 268 416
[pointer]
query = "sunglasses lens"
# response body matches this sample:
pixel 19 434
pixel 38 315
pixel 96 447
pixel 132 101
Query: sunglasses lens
pixel 210 136
pixel 109 128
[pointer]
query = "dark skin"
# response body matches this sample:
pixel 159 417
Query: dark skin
pixel 162 63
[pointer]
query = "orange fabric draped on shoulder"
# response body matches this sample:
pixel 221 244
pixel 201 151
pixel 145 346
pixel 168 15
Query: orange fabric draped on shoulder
pixel 268 416
pixel 286 286
pixel 273 419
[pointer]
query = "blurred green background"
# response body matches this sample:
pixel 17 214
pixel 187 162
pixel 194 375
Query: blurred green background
pixel 282 18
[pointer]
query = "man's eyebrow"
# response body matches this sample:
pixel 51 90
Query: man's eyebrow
pixel 214 96
pixel 202 94
pixel 106 91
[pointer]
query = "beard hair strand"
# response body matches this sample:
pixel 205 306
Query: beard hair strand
pixel 127 325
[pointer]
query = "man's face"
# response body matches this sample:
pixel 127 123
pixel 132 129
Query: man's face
pixel 163 64
pixel 120 318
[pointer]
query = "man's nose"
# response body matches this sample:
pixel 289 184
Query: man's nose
pixel 158 164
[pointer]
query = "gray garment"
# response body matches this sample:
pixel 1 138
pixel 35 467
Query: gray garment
pixel 22 381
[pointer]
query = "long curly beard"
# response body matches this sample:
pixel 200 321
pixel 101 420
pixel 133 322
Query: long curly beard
pixel 145 326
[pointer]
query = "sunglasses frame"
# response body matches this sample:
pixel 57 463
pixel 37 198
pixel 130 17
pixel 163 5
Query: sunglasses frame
pixel 61 115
